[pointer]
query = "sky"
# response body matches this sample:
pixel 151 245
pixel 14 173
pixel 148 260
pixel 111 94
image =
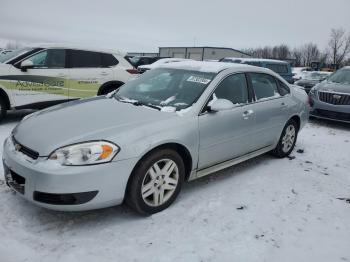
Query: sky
pixel 143 26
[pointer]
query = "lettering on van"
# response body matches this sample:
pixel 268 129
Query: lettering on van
pixel 32 86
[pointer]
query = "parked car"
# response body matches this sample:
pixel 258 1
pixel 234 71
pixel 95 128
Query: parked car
pixel 280 67
pixel 158 63
pixel 137 61
pixel 331 98
pixel 310 79
pixel 299 72
pixel 178 122
pixel 37 77
pixel 4 52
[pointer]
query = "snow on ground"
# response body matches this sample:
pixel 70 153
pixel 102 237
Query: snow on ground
pixel 265 209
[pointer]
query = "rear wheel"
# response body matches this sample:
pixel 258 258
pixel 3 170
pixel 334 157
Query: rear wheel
pixel 156 182
pixel 3 108
pixel 287 140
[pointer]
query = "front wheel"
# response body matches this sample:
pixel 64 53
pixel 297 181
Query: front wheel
pixel 156 182
pixel 287 140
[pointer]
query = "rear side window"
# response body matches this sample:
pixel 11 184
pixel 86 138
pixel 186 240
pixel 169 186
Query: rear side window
pixel 278 68
pixel 85 59
pixel 108 60
pixel 253 63
pixel 264 86
pixel 284 89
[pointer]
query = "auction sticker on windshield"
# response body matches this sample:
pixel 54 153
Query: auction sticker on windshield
pixel 197 79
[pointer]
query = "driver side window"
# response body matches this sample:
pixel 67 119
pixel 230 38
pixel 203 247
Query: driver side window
pixel 233 88
pixel 51 58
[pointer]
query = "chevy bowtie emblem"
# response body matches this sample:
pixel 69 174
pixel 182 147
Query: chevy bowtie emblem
pixel 18 147
pixel 337 96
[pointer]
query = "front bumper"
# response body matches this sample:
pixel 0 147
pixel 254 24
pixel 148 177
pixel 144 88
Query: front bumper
pixel 340 113
pixel 65 188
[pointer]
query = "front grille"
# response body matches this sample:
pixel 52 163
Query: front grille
pixel 25 150
pixel 332 115
pixel 334 98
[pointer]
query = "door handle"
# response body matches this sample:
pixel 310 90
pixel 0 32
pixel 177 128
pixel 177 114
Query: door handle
pixel 284 105
pixel 104 73
pixel 247 113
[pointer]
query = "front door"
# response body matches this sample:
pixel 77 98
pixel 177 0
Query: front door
pixel 226 134
pixel 43 83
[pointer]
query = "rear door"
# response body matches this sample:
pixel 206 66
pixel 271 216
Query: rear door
pixel 88 72
pixel 44 83
pixel 226 134
pixel 270 109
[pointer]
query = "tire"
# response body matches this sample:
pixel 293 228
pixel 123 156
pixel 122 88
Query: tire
pixel 147 186
pixel 287 140
pixel 3 108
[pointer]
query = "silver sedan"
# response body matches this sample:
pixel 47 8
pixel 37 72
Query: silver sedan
pixel 175 123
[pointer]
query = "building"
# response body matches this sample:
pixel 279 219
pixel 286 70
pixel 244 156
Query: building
pixel 201 53
pixel 142 54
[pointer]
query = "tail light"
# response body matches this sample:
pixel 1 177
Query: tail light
pixel 132 71
pixel 311 101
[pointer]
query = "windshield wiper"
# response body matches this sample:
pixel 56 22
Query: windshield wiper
pixel 135 102
pixel 138 103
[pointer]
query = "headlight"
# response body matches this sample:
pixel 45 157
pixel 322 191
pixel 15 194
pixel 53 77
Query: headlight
pixel 88 153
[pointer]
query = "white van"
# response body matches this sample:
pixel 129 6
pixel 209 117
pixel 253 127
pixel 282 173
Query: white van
pixel 41 76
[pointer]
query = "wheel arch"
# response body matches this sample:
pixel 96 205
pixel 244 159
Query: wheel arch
pixel 109 84
pixel 6 98
pixel 297 119
pixel 179 148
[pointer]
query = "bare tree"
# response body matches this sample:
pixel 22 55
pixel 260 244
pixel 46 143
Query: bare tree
pixel 297 54
pixel 309 53
pixel 11 45
pixel 339 45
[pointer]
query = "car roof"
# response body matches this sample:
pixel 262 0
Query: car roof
pixel 170 59
pixel 78 47
pixel 213 67
pixel 257 60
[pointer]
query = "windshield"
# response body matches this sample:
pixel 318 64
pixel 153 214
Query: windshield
pixel 341 76
pixel 168 89
pixel 14 54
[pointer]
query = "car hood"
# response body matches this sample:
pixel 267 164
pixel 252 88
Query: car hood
pixel 98 118
pixel 333 87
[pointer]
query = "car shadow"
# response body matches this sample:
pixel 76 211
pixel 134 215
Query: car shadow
pixel 329 123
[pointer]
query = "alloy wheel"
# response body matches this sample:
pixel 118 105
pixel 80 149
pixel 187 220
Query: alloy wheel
pixel 288 138
pixel 160 182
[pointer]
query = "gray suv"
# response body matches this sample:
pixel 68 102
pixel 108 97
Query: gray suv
pixel 331 99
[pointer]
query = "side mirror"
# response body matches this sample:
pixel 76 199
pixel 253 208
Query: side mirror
pixel 26 64
pixel 221 105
